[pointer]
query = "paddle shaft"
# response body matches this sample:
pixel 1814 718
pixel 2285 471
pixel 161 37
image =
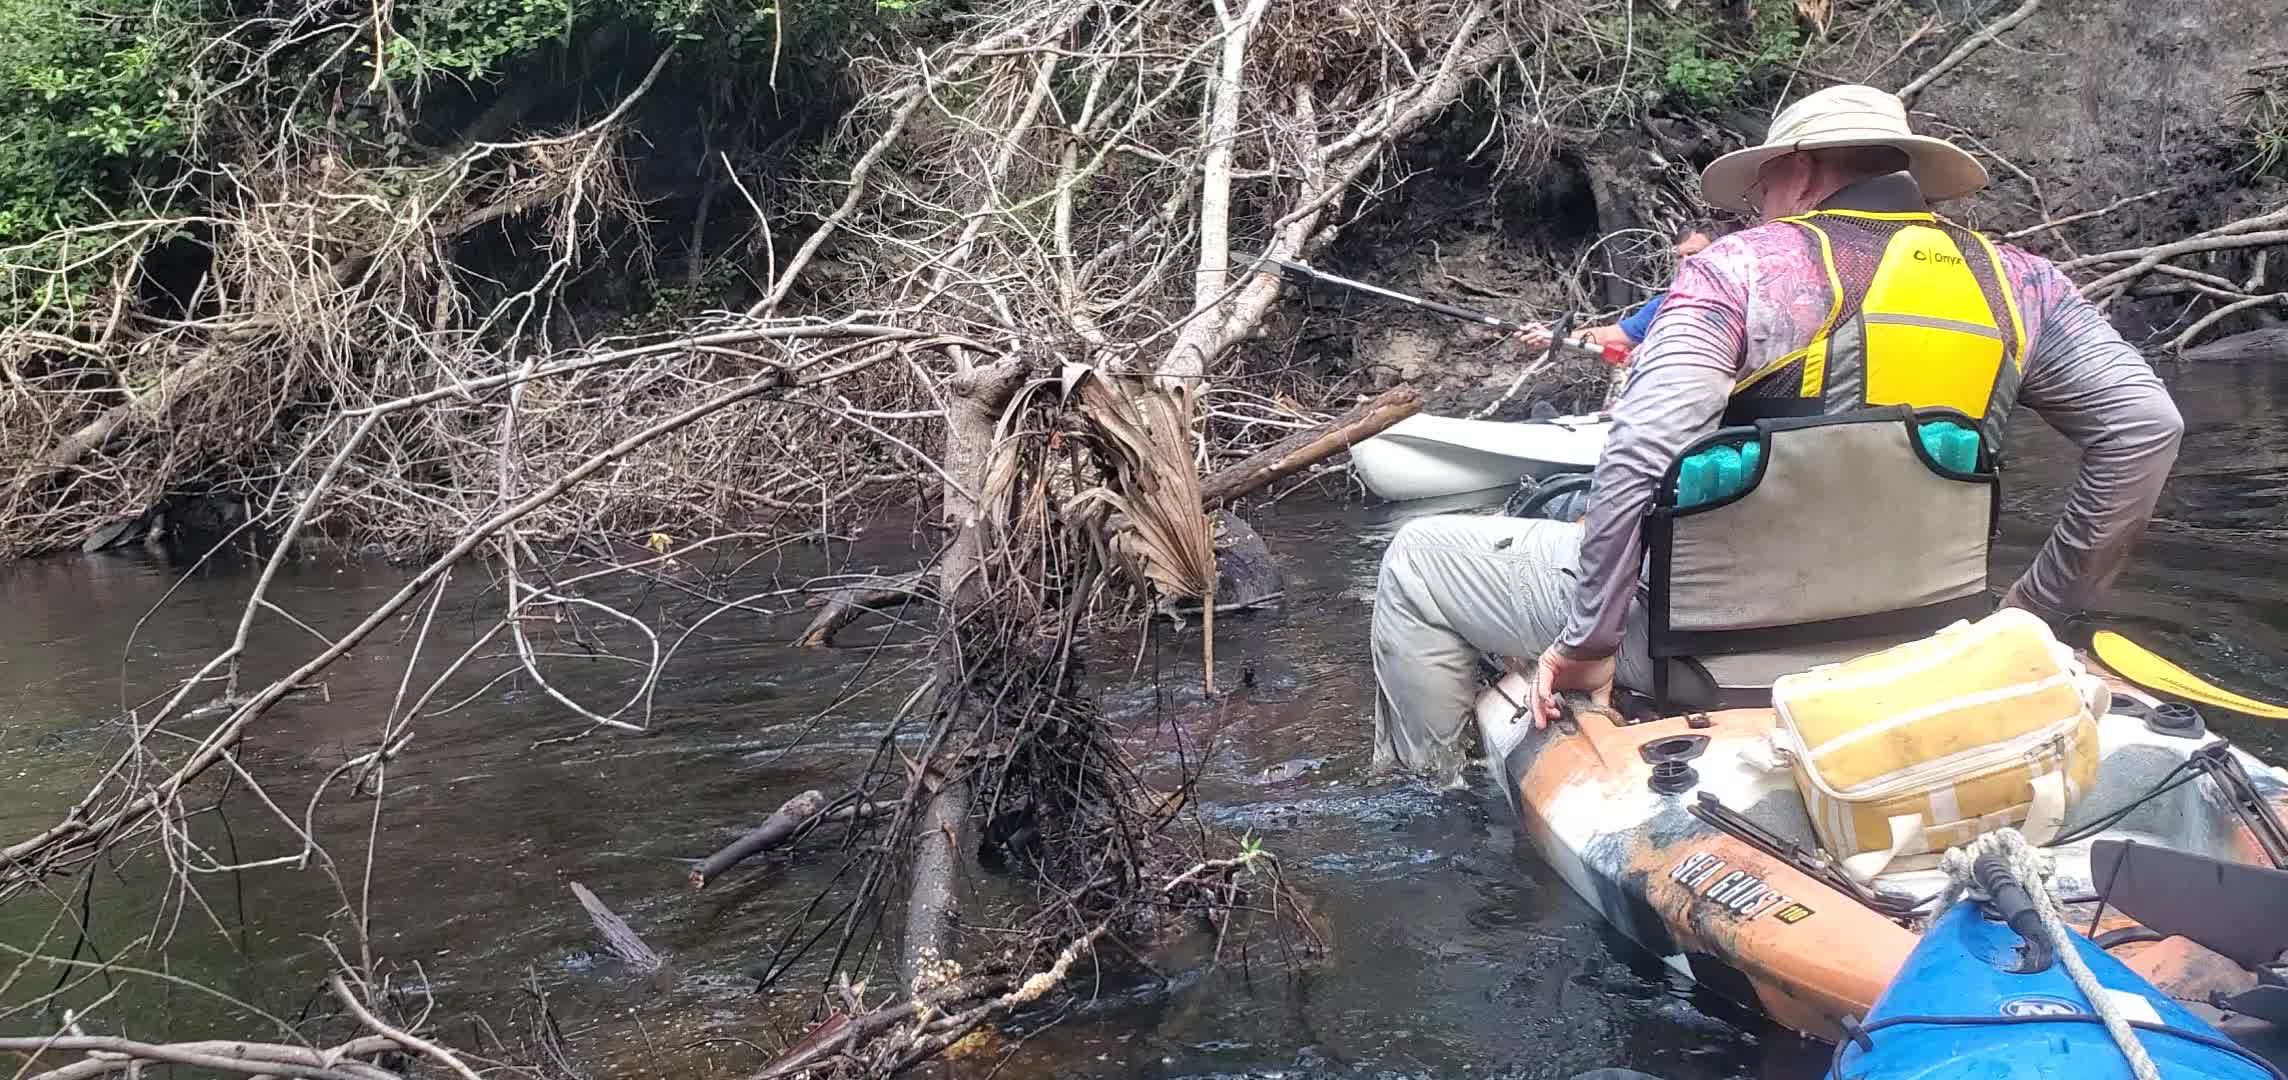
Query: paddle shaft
pixel 2150 670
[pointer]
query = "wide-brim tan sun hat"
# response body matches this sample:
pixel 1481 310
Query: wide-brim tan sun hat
pixel 1841 116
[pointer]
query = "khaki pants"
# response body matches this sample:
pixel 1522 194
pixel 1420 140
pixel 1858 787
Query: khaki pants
pixel 1453 587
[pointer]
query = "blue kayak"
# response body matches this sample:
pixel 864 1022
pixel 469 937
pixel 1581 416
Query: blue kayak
pixel 1959 1010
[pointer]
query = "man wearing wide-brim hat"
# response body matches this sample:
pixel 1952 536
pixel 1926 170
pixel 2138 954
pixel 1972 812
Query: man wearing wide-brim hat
pixel 1848 294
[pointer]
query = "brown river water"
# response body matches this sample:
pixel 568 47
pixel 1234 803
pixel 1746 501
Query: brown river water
pixel 1453 951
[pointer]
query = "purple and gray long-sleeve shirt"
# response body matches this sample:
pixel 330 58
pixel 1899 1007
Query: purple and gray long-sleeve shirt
pixel 2080 375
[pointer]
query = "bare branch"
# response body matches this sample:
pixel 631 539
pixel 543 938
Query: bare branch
pixel 1962 52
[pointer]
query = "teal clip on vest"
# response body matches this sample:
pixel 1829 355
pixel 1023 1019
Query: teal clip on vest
pixel 1720 472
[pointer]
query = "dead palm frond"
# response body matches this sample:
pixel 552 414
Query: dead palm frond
pixel 1152 484
pixel 1816 12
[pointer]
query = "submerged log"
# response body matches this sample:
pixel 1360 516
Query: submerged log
pixel 2268 343
pixel 840 1030
pixel 619 938
pixel 788 822
pixel 843 606
pixel 826 1035
pixel 1246 574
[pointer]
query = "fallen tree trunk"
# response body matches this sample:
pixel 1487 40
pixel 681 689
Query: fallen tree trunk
pixel 791 815
pixel 1302 450
pixel 2268 343
pixel 620 939
pixel 975 400
pixel 843 606
pixel 75 447
pixel 777 830
pixel 932 906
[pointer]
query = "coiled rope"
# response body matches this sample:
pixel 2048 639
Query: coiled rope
pixel 2033 867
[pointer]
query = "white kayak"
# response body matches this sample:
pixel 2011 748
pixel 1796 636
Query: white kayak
pixel 1424 457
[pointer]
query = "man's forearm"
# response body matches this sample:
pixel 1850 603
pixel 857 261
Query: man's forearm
pixel 1612 546
pixel 2096 390
pixel 2124 465
pixel 1611 334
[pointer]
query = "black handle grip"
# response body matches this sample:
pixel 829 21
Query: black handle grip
pixel 2010 900
pixel 1559 335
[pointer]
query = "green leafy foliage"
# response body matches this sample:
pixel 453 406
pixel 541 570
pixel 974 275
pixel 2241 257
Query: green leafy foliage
pixel 1697 79
pixel 478 39
pixel 109 96
pixel 471 37
pixel 1699 58
pixel 87 87
pixel 1699 73
pixel 673 304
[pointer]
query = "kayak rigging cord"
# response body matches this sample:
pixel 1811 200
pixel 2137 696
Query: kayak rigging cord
pixel 2184 773
pixel 2216 762
pixel 2029 868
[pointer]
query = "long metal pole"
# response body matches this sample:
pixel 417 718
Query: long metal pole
pixel 1560 340
pixel 1449 310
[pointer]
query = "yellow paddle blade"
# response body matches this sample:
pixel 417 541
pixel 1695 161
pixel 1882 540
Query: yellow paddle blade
pixel 2140 665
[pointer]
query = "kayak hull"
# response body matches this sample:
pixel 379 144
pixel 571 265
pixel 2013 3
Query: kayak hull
pixel 1753 927
pixel 1959 1011
pixel 1712 907
pixel 1427 457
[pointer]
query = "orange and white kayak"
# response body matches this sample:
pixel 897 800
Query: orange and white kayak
pixel 1715 869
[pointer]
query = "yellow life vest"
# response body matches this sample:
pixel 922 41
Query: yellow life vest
pixel 1920 316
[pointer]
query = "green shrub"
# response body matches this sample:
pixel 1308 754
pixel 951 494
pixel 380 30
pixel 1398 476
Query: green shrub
pixel 102 93
pixel 1697 62
pixel 90 88
pixel 1701 75
pixel 1696 79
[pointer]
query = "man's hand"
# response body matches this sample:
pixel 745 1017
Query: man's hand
pixel 1557 672
pixel 2072 628
pixel 1536 337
